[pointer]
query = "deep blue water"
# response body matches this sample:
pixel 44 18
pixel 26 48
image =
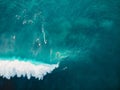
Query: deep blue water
pixel 82 35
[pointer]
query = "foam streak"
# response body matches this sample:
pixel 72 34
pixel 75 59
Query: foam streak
pixel 45 41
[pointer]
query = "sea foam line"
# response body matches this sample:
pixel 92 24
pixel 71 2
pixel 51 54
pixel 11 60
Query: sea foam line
pixel 43 31
pixel 18 68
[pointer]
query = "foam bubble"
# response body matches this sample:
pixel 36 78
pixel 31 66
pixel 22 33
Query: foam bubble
pixel 18 68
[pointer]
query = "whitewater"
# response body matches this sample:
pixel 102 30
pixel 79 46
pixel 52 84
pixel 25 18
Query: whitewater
pixel 20 68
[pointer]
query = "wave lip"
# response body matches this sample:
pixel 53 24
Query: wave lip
pixel 18 68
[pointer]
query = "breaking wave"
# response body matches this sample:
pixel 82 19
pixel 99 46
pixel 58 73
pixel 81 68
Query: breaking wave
pixel 11 68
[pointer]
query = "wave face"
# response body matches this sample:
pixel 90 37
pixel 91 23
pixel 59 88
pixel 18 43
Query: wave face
pixel 27 69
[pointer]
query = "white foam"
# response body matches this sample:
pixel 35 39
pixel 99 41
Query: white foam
pixel 44 36
pixel 18 68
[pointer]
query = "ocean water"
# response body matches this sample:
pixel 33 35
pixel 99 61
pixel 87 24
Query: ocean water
pixel 60 45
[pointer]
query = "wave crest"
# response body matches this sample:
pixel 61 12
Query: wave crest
pixel 18 68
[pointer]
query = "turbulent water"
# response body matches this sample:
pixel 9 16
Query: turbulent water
pixel 59 44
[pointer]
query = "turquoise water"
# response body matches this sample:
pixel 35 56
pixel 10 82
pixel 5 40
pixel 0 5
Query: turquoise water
pixel 83 36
